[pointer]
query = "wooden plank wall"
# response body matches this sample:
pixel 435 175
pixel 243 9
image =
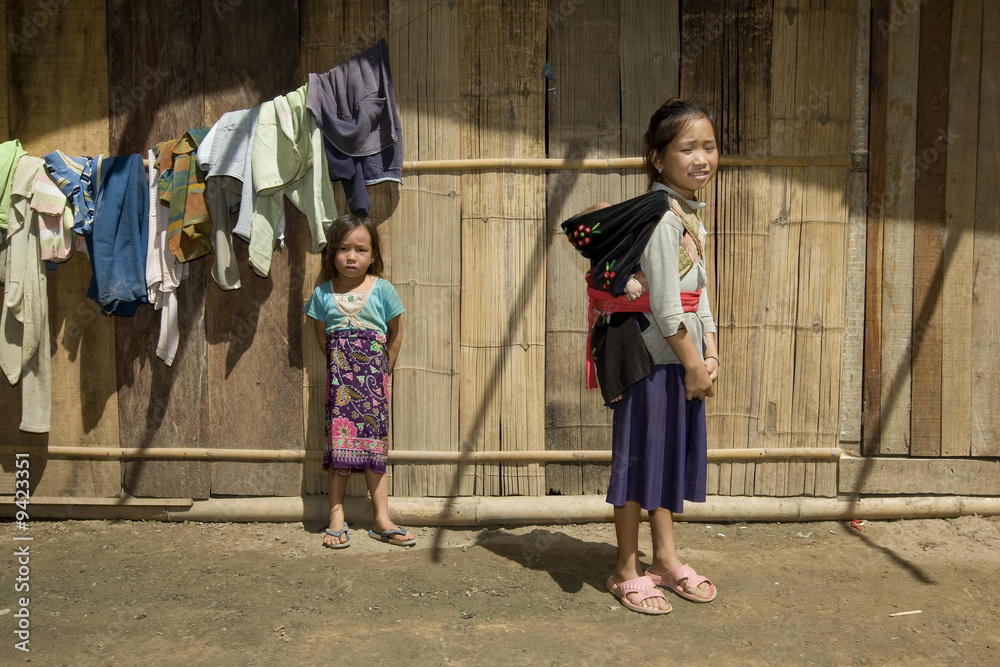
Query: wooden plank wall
pixel 160 406
pixel 936 219
pixel 814 119
pixel 54 72
pixel 5 105
pixel 852 375
pixel 239 356
pixel 958 352
pixel 986 253
pixel 254 369
pixel 891 209
pixel 727 67
pixel 929 219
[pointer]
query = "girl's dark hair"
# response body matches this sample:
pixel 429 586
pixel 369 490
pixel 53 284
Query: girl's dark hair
pixel 340 228
pixel 666 123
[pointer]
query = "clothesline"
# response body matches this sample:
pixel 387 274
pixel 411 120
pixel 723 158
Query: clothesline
pixel 597 164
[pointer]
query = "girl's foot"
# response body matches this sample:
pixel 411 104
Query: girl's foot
pixel 685 582
pixel 639 594
pixel 659 603
pixel 336 524
pixel 395 536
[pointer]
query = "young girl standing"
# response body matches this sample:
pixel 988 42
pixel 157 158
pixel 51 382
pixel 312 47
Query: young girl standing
pixel 658 436
pixel 357 317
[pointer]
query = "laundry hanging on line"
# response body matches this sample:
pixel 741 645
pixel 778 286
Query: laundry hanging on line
pixel 345 118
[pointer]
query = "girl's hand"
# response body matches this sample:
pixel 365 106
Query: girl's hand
pixel 633 290
pixel 636 286
pixel 712 364
pixel 698 383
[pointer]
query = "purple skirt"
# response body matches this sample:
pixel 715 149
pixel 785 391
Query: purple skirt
pixel 357 410
pixel 659 444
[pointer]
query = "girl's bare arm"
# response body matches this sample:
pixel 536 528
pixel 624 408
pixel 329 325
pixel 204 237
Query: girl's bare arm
pixel 697 383
pixel 394 337
pixel 711 356
pixel 320 334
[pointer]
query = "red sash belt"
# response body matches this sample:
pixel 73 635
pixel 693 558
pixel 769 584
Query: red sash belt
pixel 602 303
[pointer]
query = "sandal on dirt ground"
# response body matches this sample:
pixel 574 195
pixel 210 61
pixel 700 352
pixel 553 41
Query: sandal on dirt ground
pixel 692 580
pixel 337 534
pixel 644 588
pixel 386 536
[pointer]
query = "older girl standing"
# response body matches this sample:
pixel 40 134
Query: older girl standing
pixel 659 439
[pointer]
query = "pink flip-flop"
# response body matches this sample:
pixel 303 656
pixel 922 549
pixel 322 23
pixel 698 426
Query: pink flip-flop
pixel 643 588
pixel 692 580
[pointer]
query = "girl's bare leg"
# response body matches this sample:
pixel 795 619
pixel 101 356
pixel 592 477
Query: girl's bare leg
pixel 378 488
pixel 627 519
pixel 336 485
pixel 661 523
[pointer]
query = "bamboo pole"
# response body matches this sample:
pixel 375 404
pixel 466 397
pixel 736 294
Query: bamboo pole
pixel 803 453
pixel 594 164
pixel 412 456
pixel 487 511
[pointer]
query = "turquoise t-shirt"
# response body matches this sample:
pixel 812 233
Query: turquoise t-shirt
pixel 381 305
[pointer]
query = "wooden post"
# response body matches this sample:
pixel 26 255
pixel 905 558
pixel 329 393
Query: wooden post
pixel 929 259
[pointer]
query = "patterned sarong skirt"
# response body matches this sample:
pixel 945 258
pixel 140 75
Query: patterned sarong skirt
pixel 357 406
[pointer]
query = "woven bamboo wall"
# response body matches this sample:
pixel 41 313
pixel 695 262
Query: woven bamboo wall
pixel 494 331
pixel 427 76
pixel 630 66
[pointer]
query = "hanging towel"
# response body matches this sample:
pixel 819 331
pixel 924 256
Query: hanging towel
pixel 55 219
pixel 73 176
pixel 182 188
pixel 163 272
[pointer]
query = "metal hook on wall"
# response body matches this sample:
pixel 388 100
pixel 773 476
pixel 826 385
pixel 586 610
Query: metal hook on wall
pixel 548 74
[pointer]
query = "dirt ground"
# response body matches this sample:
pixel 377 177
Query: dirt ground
pixel 150 593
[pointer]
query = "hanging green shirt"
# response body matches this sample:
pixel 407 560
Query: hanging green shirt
pixel 10 153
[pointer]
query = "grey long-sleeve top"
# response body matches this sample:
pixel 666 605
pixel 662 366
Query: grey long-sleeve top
pixel 659 263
